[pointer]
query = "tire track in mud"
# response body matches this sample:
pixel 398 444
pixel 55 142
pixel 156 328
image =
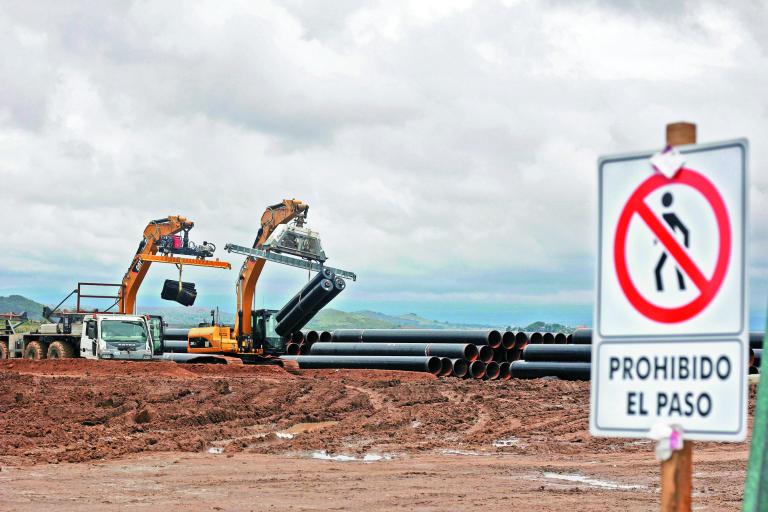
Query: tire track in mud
pixel 376 398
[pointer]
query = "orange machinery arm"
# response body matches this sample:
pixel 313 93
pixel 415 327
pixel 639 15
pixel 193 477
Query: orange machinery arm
pixel 273 216
pixel 147 253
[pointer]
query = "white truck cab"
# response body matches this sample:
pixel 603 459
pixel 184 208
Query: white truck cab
pixel 126 337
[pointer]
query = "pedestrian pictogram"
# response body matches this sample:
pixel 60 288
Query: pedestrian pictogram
pixel 670 338
pixel 675 224
pixel 707 286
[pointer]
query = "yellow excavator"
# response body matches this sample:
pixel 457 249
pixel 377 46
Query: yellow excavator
pixel 253 335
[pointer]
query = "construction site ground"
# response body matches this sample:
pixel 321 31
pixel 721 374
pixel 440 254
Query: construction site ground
pixel 98 435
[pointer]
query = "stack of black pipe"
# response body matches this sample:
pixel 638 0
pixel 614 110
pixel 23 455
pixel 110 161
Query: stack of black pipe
pixel 179 291
pixel 461 353
pixel 573 361
pixel 175 340
pixel 302 341
pixel 313 297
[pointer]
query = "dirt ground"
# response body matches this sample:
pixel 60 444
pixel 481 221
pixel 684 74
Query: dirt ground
pixel 131 436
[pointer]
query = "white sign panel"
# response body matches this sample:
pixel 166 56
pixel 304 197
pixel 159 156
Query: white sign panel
pixel 670 342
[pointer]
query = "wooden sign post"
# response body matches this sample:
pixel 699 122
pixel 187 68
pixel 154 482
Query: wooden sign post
pixel 677 471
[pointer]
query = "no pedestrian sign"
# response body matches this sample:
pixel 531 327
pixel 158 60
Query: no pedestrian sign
pixel 671 342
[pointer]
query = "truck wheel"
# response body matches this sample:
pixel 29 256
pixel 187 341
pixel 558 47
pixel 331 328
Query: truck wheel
pixel 4 350
pixel 34 350
pixel 60 350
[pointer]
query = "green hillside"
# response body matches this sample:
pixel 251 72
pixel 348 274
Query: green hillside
pixel 329 319
pixel 19 304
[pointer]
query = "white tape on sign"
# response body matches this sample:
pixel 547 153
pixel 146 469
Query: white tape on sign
pixel 668 161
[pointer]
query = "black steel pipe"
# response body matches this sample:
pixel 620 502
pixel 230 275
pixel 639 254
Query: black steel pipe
pixel 508 340
pixel 560 338
pixel 175 346
pixel 572 353
pixel 312 337
pixel 427 364
pixel 324 273
pixel 535 370
pixel 548 338
pixel 292 321
pixel 535 338
pixel 297 337
pixel 460 367
pixel 491 338
pixel 326 337
pixel 521 340
pixel 492 370
pixel 582 336
pixel 499 354
pixel 454 350
pixel 504 371
pixel 476 370
pixel 338 286
pixel 292 349
pixel 175 333
pixel 484 353
pixel 446 367
pixel 193 358
pixel 304 348
pixel 569 339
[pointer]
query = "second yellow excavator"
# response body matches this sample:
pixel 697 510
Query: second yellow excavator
pixel 253 334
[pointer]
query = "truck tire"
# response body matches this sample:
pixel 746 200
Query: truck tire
pixel 4 354
pixel 60 350
pixel 34 350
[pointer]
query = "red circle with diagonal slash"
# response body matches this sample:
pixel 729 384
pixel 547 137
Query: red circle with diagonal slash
pixel 708 288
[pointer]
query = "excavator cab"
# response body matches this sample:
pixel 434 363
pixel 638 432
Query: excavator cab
pixel 263 321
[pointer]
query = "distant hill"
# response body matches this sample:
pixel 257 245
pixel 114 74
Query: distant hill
pixel 327 319
pixel 545 327
pixel 19 304
pixel 177 316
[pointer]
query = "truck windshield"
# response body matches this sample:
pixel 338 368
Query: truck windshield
pixel 123 331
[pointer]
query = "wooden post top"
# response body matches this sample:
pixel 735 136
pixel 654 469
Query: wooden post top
pixel 681 133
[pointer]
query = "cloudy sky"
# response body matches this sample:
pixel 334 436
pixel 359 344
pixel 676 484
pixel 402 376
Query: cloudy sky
pixel 447 148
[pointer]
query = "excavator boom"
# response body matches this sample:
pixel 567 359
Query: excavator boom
pixel 273 216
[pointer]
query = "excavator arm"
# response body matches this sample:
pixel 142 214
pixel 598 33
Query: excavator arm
pixel 273 216
pixel 147 247
pixel 154 235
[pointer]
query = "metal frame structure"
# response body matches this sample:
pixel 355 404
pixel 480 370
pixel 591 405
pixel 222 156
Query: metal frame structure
pixel 286 260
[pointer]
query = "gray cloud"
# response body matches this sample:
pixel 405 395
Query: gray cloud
pixel 431 139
